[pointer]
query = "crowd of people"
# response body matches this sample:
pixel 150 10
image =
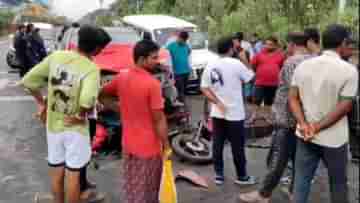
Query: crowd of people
pixel 29 47
pixel 306 130
pixel 310 92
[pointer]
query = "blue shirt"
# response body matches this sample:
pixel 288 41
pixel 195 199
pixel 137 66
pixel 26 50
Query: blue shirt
pixel 180 55
pixel 258 47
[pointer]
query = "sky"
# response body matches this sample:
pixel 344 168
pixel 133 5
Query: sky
pixel 75 9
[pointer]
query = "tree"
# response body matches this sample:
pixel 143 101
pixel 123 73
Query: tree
pixel 267 17
pixel 5 19
pixel 104 20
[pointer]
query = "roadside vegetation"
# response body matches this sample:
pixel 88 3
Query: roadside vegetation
pixel 264 17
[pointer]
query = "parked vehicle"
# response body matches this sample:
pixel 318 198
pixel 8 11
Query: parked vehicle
pixel 47 32
pixel 163 29
pixel 117 56
pixel 11 59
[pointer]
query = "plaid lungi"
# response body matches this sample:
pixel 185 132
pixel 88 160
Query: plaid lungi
pixel 142 179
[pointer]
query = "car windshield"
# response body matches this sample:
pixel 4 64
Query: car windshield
pixel 118 35
pixel 198 40
pixel 166 36
pixel 48 34
pixel 123 36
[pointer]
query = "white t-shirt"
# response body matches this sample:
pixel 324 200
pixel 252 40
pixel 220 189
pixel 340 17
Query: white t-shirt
pixel 225 77
pixel 324 81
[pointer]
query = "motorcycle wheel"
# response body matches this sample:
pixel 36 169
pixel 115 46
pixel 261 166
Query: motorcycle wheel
pixel 11 60
pixel 180 145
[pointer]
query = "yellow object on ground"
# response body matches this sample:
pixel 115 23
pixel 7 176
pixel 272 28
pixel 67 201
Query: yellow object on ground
pixel 168 192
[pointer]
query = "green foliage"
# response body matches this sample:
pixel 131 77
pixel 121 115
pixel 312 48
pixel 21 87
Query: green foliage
pixel 104 21
pixel 5 19
pixel 266 17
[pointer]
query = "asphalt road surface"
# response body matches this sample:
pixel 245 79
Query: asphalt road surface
pixel 23 165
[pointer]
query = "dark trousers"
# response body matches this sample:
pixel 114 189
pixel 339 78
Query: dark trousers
pixel 180 84
pixel 83 171
pixel 282 150
pixel 308 156
pixel 233 131
pixel 83 179
pixel 355 143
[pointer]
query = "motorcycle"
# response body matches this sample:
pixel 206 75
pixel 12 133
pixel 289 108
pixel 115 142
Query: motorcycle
pixel 11 59
pixel 193 144
pixel 107 139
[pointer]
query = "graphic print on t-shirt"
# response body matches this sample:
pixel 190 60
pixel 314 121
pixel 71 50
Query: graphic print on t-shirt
pixel 216 77
pixel 65 88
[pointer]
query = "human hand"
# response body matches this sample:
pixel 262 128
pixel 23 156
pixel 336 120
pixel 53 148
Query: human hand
pixel 166 150
pixel 304 130
pixel 74 120
pixel 243 57
pixel 221 107
pixel 41 114
pixel 314 129
pixel 100 106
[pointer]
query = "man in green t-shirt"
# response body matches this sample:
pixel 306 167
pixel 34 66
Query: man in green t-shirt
pixel 73 83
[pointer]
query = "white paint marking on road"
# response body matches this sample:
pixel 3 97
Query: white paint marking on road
pixel 4 83
pixel 7 73
pixel 4 42
pixel 8 83
pixel 16 98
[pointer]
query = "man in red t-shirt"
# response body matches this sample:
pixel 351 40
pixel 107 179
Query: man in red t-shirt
pixel 144 124
pixel 267 65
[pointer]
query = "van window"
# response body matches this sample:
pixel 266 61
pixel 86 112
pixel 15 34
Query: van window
pixel 165 36
pixel 198 40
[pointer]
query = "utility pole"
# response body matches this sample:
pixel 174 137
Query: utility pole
pixel 342 6
pixel 101 3
pixel 138 6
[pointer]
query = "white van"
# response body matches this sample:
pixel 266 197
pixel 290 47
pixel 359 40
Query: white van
pixel 163 29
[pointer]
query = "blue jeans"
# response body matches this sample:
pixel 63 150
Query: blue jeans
pixel 308 156
pixel 233 131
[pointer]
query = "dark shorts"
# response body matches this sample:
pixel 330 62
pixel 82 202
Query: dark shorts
pixel 265 94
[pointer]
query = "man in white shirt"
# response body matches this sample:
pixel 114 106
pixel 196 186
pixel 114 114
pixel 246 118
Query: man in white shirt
pixel 222 84
pixel 320 98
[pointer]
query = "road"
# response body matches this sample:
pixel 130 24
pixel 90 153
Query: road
pixel 23 165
